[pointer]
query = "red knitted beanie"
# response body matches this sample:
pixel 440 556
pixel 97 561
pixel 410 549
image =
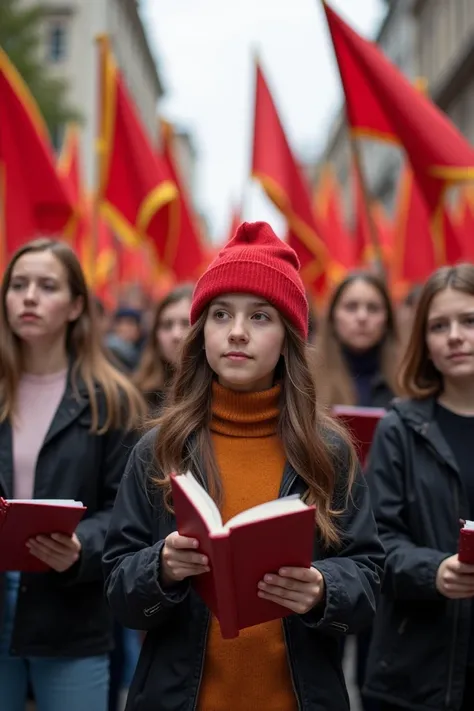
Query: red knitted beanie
pixel 256 261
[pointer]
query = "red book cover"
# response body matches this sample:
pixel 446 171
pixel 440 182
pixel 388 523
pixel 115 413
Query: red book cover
pixel 21 520
pixel 362 423
pixel 252 544
pixel 466 543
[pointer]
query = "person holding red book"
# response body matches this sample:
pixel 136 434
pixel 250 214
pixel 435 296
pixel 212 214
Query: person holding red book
pixel 422 481
pixel 67 420
pixel 242 416
pixel 355 365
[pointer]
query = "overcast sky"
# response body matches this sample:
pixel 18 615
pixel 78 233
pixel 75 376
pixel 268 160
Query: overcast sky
pixel 205 50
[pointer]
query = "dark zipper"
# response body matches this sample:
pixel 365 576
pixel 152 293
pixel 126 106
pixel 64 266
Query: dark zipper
pixel 203 660
pixel 452 654
pixel 290 666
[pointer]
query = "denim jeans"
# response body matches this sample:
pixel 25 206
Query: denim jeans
pixel 59 684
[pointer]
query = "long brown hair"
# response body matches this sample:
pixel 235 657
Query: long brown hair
pixel 303 429
pixel 154 372
pixel 89 364
pixel 335 385
pixel 418 376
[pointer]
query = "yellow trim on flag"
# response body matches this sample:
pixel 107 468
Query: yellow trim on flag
pixel 452 174
pixel 152 203
pixel 15 80
pixel 308 237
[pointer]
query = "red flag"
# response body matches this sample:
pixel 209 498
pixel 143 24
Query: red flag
pixel 330 213
pixel 412 224
pixel 382 104
pixel 183 252
pixel 79 227
pixel 33 198
pixel 274 165
pixel 462 222
pixel 136 195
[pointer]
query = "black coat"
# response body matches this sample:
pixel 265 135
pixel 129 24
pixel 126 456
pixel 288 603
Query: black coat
pixel 66 614
pixel 420 643
pixel 170 669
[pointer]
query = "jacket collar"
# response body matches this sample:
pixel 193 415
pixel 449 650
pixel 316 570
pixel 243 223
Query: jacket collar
pixel 419 415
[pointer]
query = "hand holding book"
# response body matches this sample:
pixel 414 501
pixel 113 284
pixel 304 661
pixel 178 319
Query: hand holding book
pixel 58 551
pixel 298 589
pixel 179 559
pixel 230 564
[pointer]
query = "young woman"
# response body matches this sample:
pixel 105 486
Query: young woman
pixel 356 354
pixel 169 328
pixel 243 417
pixel 66 428
pixel 422 654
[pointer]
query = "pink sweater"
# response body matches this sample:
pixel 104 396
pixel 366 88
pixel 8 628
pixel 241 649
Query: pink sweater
pixel 38 399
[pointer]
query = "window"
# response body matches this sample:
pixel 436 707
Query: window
pixel 56 41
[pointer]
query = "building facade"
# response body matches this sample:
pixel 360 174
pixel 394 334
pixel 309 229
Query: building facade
pixel 445 56
pixel 69 49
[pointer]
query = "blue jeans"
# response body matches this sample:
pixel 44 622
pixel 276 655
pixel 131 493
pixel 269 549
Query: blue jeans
pixel 59 684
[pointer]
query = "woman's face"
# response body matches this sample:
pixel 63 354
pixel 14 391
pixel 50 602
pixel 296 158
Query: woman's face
pixel 244 338
pixel 172 329
pixel 360 316
pixel 450 334
pixel 38 301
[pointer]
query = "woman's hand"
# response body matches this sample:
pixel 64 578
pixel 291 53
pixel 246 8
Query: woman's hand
pixel 299 589
pixel 455 580
pixel 58 551
pixel 179 559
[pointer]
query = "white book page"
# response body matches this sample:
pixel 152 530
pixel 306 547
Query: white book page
pixel 48 502
pixel 270 509
pixel 202 501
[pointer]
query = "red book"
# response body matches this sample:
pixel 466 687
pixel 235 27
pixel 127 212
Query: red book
pixel 466 543
pixel 362 423
pixel 22 519
pixel 258 541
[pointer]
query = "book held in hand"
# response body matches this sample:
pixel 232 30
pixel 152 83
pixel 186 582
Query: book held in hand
pixel 23 519
pixel 257 541
pixel 466 543
pixel 362 423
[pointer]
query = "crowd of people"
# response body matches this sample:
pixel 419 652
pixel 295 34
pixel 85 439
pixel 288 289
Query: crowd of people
pixel 234 378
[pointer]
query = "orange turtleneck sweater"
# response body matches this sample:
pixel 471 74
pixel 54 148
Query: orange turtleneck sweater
pixel 251 671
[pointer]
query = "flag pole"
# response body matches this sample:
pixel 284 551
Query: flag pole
pixel 102 44
pixel 373 233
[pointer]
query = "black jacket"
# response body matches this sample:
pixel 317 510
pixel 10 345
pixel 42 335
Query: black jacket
pixel 381 394
pixel 66 614
pixel 420 642
pixel 170 668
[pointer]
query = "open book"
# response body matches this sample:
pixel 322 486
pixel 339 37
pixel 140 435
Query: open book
pixel 241 551
pixel 22 519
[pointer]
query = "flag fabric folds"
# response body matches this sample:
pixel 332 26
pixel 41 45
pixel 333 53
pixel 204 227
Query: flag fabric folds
pixel 33 198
